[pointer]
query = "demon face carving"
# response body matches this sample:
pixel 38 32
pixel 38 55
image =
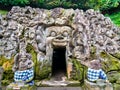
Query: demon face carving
pixel 58 35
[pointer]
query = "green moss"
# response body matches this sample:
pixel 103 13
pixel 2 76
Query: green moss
pixel 3 60
pixel 30 49
pixel 5 82
pixel 117 55
pixel 39 73
pixel 116 86
pixel 71 19
pixel 3 12
pixel 118 80
pixel 42 73
pixel 112 76
pixel 79 71
pixel 9 89
pixel 8 73
pixel 111 63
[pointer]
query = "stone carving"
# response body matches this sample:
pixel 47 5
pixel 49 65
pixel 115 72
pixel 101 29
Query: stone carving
pixel 57 36
pixel 76 30
pixel 23 66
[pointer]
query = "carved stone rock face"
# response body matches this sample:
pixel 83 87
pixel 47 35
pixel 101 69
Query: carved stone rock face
pixel 59 36
pixel 47 31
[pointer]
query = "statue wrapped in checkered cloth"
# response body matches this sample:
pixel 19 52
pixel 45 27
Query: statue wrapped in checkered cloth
pixel 95 72
pixel 23 68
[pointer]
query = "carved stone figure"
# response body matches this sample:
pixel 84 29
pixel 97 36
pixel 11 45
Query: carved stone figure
pixel 23 67
pixel 47 30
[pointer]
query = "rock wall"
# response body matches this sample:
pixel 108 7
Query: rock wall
pixel 89 28
pixel 79 30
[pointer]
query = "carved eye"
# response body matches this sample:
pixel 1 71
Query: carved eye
pixel 65 34
pixel 53 34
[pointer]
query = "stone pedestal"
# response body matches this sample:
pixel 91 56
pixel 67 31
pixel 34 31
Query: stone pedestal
pixel 95 86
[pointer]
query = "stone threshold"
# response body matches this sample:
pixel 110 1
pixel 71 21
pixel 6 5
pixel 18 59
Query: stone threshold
pixel 59 83
pixel 59 88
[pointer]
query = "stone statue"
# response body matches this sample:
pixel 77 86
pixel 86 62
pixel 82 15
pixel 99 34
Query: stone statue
pixel 96 77
pixel 23 67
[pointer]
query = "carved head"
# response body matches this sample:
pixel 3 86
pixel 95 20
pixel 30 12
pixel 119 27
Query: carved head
pixel 58 35
pixel 95 64
pixel 22 61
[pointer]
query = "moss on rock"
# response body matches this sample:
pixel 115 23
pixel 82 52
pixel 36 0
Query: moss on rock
pixel 113 76
pixel 8 73
pixel 117 55
pixel 116 86
pixel 40 72
pixel 79 71
pixel 5 82
pixel 111 63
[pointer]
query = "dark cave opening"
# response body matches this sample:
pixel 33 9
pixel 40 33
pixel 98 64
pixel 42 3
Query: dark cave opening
pixel 59 63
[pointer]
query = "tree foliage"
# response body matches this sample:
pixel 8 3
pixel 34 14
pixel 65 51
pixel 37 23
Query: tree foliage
pixel 81 4
pixel 102 4
pixel 14 2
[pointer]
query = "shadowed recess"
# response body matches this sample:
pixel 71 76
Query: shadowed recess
pixel 59 63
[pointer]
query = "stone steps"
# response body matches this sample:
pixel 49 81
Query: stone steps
pixel 59 88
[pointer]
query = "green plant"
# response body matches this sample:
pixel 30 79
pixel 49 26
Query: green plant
pixel 15 2
pixel 8 73
pixel 107 4
pixel 3 12
pixel 5 82
pixel 115 17
pixel 102 4
pixel 19 2
pixel 4 2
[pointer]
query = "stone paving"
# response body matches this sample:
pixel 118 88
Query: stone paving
pixel 59 88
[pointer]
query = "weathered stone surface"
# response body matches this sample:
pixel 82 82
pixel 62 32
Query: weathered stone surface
pixel 110 63
pixel 59 88
pixel 88 28
pixel 75 30
pixel 96 86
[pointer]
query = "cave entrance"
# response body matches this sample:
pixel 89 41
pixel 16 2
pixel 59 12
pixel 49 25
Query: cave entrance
pixel 59 63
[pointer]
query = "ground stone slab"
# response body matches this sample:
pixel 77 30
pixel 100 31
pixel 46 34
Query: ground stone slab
pixel 59 88
pixel 58 83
